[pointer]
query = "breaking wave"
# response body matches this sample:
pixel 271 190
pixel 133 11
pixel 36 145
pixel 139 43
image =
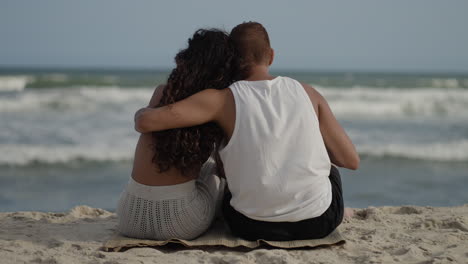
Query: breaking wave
pixel 14 82
pixel 368 102
pixel 450 151
pixel 21 155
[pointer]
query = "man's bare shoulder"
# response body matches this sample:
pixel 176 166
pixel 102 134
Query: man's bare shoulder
pixel 313 94
pixel 310 89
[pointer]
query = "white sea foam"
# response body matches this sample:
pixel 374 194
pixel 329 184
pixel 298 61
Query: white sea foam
pixel 367 102
pixel 79 98
pixel 19 154
pixel 353 102
pixel 438 151
pixel 81 123
pixel 115 94
pixel 450 83
pixel 14 83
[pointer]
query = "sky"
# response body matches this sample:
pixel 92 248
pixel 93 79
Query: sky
pixel 360 35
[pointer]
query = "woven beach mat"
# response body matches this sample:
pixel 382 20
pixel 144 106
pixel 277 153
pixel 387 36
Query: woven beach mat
pixel 219 235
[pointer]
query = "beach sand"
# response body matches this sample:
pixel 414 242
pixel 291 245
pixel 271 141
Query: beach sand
pixel 403 234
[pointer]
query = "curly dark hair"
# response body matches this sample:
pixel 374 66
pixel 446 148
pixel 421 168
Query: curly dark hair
pixel 207 62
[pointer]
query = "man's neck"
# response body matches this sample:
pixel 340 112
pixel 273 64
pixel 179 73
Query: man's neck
pixel 259 73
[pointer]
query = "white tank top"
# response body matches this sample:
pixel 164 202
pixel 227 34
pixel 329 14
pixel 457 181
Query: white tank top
pixel 276 163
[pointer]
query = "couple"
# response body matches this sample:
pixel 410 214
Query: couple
pixel 222 118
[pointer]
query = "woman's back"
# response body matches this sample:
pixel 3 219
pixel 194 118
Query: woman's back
pixel 173 191
pixel 166 204
pixel 145 171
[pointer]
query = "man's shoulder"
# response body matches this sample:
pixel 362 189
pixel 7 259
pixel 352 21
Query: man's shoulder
pixel 307 87
pixel 313 94
pixel 288 79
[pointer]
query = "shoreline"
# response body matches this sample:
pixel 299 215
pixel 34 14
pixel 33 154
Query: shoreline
pixel 389 234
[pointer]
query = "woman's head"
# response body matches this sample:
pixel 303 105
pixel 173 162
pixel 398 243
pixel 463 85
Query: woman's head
pixel 207 62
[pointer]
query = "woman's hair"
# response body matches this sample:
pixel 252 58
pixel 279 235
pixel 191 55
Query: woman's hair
pixel 207 62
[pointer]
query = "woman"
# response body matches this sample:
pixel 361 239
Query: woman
pixel 173 193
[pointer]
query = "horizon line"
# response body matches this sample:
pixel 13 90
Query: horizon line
pixel 48 68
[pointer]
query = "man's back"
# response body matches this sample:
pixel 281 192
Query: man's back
pixel 276 162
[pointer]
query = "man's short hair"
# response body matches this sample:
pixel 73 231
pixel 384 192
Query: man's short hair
pixel 252 43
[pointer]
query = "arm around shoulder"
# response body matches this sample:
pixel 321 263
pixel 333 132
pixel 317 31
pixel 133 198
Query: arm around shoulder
pixel 197 109
pixel 155 98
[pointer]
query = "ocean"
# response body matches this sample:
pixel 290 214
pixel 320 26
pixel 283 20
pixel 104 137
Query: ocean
pixel 67 136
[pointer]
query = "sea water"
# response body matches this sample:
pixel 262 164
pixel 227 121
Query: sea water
pixel 67 136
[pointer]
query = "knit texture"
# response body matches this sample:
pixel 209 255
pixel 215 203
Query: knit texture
pixel 185 216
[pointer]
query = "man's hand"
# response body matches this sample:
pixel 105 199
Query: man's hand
pixel 139 112
pixel 155 98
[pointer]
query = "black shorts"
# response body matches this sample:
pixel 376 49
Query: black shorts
pixel 313 228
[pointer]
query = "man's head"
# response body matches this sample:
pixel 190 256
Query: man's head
pixel 253 45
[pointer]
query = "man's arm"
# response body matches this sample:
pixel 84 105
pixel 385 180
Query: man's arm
pixel 200 108
pixel 339 146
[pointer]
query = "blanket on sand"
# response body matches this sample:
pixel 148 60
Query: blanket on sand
pixel 219 235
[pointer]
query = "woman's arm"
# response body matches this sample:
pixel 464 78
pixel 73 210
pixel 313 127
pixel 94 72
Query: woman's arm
pixel 200 108
pixel 339 146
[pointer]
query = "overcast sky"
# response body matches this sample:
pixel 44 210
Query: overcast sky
pixel 397 35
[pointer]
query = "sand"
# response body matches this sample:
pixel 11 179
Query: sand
pixel 404 234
